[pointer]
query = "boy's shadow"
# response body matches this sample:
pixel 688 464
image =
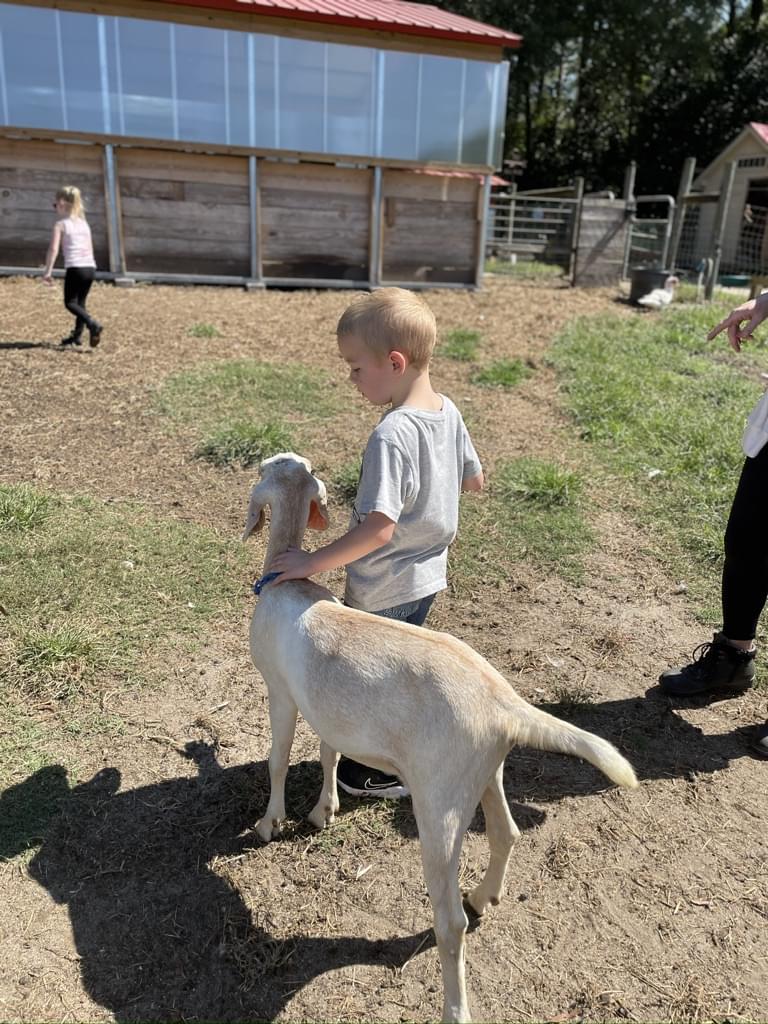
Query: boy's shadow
pixel 159 935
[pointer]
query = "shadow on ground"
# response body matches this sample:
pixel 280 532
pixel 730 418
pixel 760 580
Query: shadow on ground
pixel 160 936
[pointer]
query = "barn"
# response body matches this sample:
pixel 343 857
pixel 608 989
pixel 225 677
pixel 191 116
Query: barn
pixel 745 240
pixel 346 143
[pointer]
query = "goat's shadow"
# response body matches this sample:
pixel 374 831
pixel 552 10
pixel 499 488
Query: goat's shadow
pixel 162 936
pixel 159 935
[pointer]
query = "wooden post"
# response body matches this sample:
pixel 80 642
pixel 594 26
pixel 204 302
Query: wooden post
pixel 374 229
pixel 511 218
pixel 484 202
pixel 254 209
pixel 629 198
pixel 686 180
pixel 578 195
pixel 721 216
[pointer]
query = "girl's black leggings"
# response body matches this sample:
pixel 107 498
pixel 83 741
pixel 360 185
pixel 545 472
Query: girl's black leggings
pixel 745 573
pixel 77 284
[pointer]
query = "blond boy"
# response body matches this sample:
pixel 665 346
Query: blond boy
pixel 417 461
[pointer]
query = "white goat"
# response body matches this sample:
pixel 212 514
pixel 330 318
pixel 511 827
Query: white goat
pixel 400 698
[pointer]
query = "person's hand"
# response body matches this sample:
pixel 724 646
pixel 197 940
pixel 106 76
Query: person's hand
pixel 752 313
pixel 48 279
pixel 293 564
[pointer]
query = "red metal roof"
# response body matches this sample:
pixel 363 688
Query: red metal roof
pixel 761 129
pixel 377 15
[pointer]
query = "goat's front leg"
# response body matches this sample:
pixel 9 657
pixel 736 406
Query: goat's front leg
pixel 324 811
pixel 502 832
pixel 282 718
pixel 440 851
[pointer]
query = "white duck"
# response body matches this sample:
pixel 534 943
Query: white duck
pixel 660 297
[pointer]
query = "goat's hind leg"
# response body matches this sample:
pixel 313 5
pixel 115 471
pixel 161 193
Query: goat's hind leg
pixel 282 719
pixel 324 811
pixel 501 831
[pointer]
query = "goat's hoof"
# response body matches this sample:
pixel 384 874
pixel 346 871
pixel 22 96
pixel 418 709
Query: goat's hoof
pixel 320 819
pixel 472 911
pixel 268 830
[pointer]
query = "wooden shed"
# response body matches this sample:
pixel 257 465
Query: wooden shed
pixel 745 235
pixel 259 142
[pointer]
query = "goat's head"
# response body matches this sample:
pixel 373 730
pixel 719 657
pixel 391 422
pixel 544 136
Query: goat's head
pixel 289 477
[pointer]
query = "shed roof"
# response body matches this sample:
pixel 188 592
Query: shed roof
pixel 377 15
pixel 760 129
pixel 751 133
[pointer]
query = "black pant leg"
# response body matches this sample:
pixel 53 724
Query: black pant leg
pixel 77 284
pixel 745 572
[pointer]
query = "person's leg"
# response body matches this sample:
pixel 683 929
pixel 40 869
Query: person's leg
pixel 71 289
pixel 358 779
pixel 727 663
pixel 81 281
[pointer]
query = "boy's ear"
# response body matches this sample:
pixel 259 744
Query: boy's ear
pixel 399 361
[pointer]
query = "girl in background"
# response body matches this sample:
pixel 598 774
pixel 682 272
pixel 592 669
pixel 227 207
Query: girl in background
pixel 72 233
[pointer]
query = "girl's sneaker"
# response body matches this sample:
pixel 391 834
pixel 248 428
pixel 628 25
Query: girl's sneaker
pixel 72 339
pixel 95 335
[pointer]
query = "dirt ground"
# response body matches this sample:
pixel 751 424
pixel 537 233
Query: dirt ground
pixel 150 898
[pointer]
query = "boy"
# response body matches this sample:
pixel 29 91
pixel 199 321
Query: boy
pixel 417 461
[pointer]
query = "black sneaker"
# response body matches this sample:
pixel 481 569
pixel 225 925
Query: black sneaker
pixel 72 339
pixel 94 335
pixel 759 744
pixel 359 780
pixel 716 667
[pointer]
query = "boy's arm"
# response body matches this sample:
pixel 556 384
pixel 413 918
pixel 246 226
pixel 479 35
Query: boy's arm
pixel 373 533
pixel 473 483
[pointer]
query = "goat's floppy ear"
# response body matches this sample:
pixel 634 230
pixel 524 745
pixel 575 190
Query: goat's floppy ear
pixel 255 519
pixel 318 508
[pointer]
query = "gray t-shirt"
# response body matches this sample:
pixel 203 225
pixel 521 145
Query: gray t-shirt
pixel 413 468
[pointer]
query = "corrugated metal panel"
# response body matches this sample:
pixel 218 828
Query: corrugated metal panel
pixel 377 15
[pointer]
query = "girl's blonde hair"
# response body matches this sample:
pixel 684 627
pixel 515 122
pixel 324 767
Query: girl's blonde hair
pixel 71 194
pixel 392 319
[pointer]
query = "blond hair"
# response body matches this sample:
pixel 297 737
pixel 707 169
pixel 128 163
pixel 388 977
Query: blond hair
pixel 71 194
pixel 391 319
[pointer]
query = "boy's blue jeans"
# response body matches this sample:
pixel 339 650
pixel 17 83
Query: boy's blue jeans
pixel 414 612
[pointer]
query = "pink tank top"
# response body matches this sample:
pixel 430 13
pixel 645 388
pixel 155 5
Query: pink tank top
pixel 76 243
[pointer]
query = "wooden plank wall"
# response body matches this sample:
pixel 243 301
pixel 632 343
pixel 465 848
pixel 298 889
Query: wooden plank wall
pixel 184 213
pixel 314 220
pixel 600 251
pixel 430 227
pixel 30 174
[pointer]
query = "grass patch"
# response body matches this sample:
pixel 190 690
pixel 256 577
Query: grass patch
pixel 664 409
pixel 216 394
pixel 524 268
pixel 534 512
pixel 507 373
pixel 93 589
pixel 21 508
pixel 344 481
pixel 460 344
pixel 203 331
pixel 244 444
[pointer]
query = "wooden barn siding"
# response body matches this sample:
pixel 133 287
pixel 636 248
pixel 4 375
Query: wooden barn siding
pixel 189 213
pixel 430 226
pixel 30 175
pixel 601 239
pixel 184 213
pixel 314 220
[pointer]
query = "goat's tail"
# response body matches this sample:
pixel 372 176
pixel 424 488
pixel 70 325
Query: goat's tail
pixel 531 727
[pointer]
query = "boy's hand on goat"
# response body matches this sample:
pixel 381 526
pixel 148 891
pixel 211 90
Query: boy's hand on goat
pixel 293 564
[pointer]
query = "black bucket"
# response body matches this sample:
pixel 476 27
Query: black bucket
pixel 644 280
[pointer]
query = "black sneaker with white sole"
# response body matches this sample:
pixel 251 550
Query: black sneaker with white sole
pixel 360 780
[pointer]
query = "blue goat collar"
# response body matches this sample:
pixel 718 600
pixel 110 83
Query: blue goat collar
pixel 259 585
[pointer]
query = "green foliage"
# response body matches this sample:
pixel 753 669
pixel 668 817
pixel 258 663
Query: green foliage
pixel 204 331
pixel 507 373
pixel 524 268
pixel 664 409
pixel 460 344
pixel 21 508
pixel 344 481
pixel 93 587
pixel 214 394
pixel 539 483
pixel 244 444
